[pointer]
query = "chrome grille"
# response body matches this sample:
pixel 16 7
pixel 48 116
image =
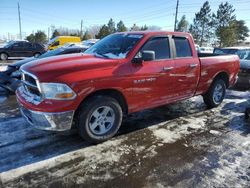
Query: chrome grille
pixel 30 84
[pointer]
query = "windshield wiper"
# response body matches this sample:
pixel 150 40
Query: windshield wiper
pixel 101 55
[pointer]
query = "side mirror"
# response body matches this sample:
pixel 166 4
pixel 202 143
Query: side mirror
pixel 148 55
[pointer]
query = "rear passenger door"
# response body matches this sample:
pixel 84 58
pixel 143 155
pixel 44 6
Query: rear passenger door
pixel 28 49
pixel 187 68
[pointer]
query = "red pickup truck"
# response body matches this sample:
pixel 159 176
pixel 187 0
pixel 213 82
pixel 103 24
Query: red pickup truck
pixel 121 74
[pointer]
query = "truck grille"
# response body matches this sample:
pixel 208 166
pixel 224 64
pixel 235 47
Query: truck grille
pixel 30 84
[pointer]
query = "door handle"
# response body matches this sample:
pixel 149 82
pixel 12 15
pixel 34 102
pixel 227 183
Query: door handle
pixel 193 65
pixel 167 68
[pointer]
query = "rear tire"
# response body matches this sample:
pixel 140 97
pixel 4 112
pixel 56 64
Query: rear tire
pixel 36 55
pixel 215 94
pixel 4 56
pixel 98 119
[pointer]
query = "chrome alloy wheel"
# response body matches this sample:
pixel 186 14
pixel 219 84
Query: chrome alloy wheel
pixel 218 93
pixel 101 120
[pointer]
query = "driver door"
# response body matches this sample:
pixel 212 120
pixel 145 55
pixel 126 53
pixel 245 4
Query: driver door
pixel 152 80
pixel 17 49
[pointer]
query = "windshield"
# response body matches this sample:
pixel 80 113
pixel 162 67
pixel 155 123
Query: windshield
pixel 51 53
pixel 9 44
pixel 115 46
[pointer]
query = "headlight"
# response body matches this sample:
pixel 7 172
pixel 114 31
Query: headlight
pixel 57 91
pixel 3 68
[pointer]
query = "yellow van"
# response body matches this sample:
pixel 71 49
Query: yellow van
pixel 61 40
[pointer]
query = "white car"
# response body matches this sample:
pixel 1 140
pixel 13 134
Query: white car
pixel 209 50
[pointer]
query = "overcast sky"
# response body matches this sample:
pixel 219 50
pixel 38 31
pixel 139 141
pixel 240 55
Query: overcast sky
pixel 39 15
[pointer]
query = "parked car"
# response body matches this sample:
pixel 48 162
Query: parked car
pixel 90 42
pixel 71 44
pixel 244 55
pixel 10 76
pixel 206 50
pixel 21 49
pixel 121 74
pixel 59 41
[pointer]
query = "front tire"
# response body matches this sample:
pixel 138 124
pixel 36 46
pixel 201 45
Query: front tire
pixel 215 94
pixel 99 119
pixel 3 56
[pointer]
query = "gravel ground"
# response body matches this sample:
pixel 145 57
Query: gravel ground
pixel 179 145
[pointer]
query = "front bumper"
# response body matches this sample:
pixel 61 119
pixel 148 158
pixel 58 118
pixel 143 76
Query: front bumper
pixel 60 121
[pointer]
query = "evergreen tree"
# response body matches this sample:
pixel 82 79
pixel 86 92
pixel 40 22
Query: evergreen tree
pixel 30 38
pixel 39 37
pixel 111 26
pixel 223 23
pixel 121 27
pixel 201 27
pixel 241 30
pixel 182 25
pixel 144 28
pixel 104 31
pixel 55 34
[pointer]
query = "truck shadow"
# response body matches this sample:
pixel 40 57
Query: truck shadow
pixel 22 145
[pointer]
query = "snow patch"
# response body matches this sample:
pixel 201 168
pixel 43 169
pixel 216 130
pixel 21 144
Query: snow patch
pixel 166 136
pixel 215 132
pixel 171 134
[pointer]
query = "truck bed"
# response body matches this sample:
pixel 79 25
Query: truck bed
pixel 211 63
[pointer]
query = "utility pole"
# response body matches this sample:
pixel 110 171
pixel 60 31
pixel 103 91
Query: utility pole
pixel 20 26
pixel 81 29
pixel 176 15
pixel 48 33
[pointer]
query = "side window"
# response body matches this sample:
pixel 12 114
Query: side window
pixel 37 46
pixel 27 45
pixel 182 47
pixel 17 46
pixel 160 45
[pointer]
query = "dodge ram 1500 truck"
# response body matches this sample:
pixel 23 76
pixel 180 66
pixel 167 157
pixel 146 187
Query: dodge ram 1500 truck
pixel 121 74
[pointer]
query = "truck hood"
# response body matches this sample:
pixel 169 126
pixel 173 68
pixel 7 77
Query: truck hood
pixel 50 68
pixel 245 64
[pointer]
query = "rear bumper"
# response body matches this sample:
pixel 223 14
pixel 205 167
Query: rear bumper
pixel 60 121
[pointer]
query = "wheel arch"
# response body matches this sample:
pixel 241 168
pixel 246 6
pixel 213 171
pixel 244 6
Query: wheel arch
pixel 224 76
pixel 37 53
pixel 4 52
pixel 114 93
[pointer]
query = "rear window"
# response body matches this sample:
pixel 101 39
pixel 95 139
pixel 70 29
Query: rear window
pixel 182 46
